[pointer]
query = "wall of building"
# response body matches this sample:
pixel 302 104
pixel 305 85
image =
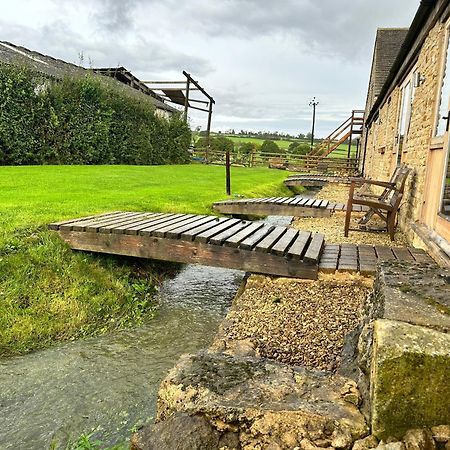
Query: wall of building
pixel 381 136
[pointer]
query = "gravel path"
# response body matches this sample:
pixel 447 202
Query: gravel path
pixel 296 321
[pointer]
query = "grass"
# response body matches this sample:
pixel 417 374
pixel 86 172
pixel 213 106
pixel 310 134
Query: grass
pixel 50 293
pixel 281 143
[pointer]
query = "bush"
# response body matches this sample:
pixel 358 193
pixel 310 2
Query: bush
pixel 299 148
pixel 247 148
pixel 82 120
pixel 271 147
pixel 216 143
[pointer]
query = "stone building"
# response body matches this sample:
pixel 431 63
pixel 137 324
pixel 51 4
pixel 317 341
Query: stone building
pixel 407 121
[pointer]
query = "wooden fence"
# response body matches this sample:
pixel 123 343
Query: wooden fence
pixel 286 161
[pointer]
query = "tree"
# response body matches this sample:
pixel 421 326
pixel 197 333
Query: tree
pixel 299 149
pixel 246 148
pixel 270 147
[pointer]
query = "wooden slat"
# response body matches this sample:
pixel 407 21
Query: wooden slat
pixel 204 236
pixel 236 239
pixel 134 229
pixel 93 224
pixel 219 239
pixel 421 256
pixel 187 220
pixel 176 233
pixel 130 220
pixel 384 253
pixel 402 254
pixel 314 248
pixel 147 231
pixel 300 244
pixel 189 235
pixel 281 247
pixel 250 242
pixel 119 227
pixel 56 225
pixel 269 241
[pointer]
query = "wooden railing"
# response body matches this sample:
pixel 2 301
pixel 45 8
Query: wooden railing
pixel 287 161
pixel 351 127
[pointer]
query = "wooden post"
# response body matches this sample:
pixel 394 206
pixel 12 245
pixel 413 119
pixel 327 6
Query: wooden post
pixel 186 100
pixel 227 171
pixel 208 131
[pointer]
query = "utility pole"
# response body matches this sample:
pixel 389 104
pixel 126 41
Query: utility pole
pixel 313 103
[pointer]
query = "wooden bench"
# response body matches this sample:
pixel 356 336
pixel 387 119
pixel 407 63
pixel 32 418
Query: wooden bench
pixel 385 205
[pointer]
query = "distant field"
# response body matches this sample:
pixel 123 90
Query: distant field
pixel 259 141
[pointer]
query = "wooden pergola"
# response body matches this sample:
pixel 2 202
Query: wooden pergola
pixel 180 93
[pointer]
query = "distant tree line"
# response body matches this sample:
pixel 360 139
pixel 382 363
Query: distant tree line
pixel 82 120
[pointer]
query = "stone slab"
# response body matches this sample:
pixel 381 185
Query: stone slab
pixel 410 378
pixel 264 402
pixel 417 293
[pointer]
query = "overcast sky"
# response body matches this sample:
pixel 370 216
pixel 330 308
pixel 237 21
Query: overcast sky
pixel 262 60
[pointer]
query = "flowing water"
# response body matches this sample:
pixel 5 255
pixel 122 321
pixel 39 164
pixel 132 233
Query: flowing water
pixel 109 383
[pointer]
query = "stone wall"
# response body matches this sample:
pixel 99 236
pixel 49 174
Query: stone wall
pixel 381 136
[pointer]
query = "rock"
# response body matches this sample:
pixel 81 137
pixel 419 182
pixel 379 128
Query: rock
pixel 306 444
pixel 179 432
pixel 391 446
pixel 394 446
pixel 441 433
pixel 419 439
pixel 415 293
pixel 266 402
pixel 366 443
pixel 409 377
pixel 341 438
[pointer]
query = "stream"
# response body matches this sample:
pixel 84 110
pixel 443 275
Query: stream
pixel 111 381
pixel 108 384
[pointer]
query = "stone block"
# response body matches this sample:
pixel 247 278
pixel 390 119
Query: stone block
pixel 264 402
pixel 410 375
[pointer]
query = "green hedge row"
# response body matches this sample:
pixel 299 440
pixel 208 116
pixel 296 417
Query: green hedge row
pixel 82 120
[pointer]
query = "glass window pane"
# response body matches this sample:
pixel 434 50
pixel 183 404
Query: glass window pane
pixel 445 93
pixel 445 207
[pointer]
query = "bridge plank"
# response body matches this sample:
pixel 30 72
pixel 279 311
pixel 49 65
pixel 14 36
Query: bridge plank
pixel 281 247
pixel 176 233
pixel 204 236
pixel 314 248
pixel 134 229
pixel 266 244
pixel 83 225
pixel 300 244
pixel 148 230
pixel 250 242
pixel 189 235
pixel 220 238
pixel 55 225
pixel 236 239
pixel 129 221
pixel 186 220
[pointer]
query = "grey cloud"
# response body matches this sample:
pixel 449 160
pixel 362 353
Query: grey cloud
pixel 140 54
pixel 324 27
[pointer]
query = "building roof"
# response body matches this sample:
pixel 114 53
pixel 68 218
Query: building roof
pixel 428 13
pixel 57 68
pixel 388 42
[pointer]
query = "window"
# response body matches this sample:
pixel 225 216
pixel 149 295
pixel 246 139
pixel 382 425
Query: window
pixel 445 204
pixel 407 96
pixel 441 123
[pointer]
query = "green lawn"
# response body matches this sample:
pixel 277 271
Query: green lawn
pixel 49 292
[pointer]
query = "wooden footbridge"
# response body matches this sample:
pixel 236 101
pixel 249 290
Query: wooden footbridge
pixel 315 180
pixel 222 242
pixel 297 206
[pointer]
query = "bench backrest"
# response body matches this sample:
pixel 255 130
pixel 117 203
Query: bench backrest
pixel 400 182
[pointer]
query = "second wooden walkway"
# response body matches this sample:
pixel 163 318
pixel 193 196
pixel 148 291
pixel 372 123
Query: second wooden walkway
pixel 315 180
pixel 297 206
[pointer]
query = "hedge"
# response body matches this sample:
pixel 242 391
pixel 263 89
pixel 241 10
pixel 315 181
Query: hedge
pixel 82 120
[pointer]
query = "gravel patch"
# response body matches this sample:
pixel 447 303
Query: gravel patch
pixel 334 192
pixel 333 229
pixel 297 322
